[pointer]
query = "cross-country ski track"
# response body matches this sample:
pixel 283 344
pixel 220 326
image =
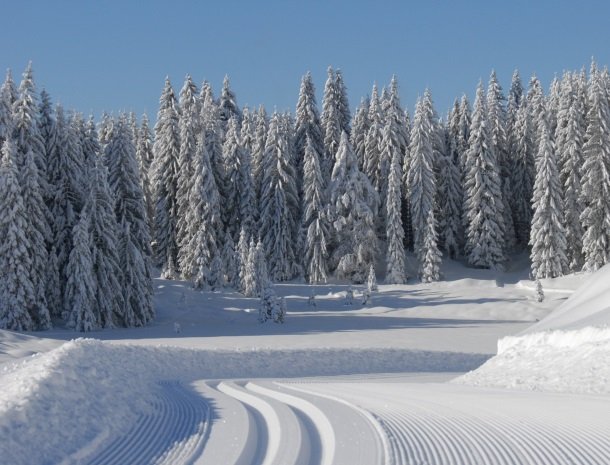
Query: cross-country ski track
pixel 361 421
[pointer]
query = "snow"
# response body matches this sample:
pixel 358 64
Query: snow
pixel 333 385
pixel 568 351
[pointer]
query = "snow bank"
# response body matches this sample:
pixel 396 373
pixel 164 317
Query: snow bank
pixel 568 351
pixel 50 399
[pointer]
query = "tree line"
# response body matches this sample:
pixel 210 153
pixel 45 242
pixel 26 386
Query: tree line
pixel 220 195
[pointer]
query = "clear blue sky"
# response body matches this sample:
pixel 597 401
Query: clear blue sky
pixel 113 55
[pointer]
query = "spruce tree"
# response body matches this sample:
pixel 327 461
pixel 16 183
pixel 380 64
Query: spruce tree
pixel 17 292
pixel 331 123
pixel 144 155
pixel 547 235
pixel 99 208
pixel 483 207
pixel 523 173
pixel 6 114
pixel 189 127
pixel 230 262
pixel 464 134
pixel 134 237
pixel 210 119
pixel 248 129
pixel 360 128
pixel 571 129
pixel 307 124
pixel 450 191
pixel 79 300
pixel 243 248
pixel 372 146
pixel 395 254
pixel 431 261
pixel 279 203
pixel 232 187
pixel 342 103
pixel 258 153
pixel 422 179
pixel 354 203
pixel 227 105
pixel 596 177
pixel 166 151
pixel 315 217
pixel 496 116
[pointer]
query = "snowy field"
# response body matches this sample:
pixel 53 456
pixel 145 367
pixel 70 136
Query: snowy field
pixel 410 378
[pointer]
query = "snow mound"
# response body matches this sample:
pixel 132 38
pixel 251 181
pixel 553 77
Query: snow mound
pixel 49 399
pixel 568 351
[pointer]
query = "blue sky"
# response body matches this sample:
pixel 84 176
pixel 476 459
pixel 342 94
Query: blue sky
pixel 114 55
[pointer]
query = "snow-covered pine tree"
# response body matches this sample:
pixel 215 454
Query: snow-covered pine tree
pixel 16 289
pixel 483 207
pixel 250 278
pixel 279 203
pixel 595 192
pixel 189 127
pixel 315 217
pixel 395 252
pixel 248 208
pixel 450 191
pixel 371 281
pixel 360 128
pixel 536 104
pixel 570 138
pixel 464 134
pixel 269 304
pixel 307 124
pixel 345 116
pixel 210 119
pixel 231 190
pixel 80 311
pixel 144 155
pixel 6 114
pixel 422 178
pixel 524 173
pixel 11 88
pixel 105 129
pixel 515 96
pixel 134 239
pixel 552 105
pixel 331 123
pixel 247 129
pixel 38 234
pixel 99 208
pixel 201 241
pixel 166 151
pixel 258 153
pixel 496 116
pixel 227 105
pixel 539 291
pixel 547 234
pixel 354 203
pixel 372 143
pixel 394 113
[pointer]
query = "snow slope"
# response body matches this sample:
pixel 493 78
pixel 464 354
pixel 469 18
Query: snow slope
pixel 218 392
pixel 568 351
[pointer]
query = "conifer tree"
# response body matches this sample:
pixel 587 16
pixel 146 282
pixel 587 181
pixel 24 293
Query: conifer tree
pixel 354 203
pixel 38 235
pixel 230 262
pixel 450 191
pixel 6 114
pixel 227 105
pixel 422 180
pixel 372 145
pixel 134 238
pixel 80 296
pixel 395 254
pixel 331 122
pixel 523 173
pixel 431 261
pixel 9 86
pixel 496 116
pixel 315 217
pixel 464 134
pixel 258 152
pixel 144 155
pixel 243 249
pixel 99 208
pixel 166 151
pixel 17 292
pixel 210 119
pixel 360 128
pixel 307 125
pixel 232 188
pixel 483 208
pixel 547 235
pixel 536 103
pixel 571 129
pixel 189 127
pixel 248 129
pixel 343 110
pixel 596 177
pixel 279 203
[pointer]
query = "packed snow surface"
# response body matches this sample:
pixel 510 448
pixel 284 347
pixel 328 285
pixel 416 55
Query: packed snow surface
pixel 568 351
pixel 335 384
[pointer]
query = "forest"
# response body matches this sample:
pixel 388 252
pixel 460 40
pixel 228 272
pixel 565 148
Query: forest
pixel 220 195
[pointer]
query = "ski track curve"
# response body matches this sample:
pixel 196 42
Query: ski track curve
pixel 174 432
pixel 440 426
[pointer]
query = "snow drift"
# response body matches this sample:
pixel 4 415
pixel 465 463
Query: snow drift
pixel 568 351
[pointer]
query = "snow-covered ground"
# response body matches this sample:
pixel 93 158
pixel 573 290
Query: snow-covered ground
pixel 335 384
